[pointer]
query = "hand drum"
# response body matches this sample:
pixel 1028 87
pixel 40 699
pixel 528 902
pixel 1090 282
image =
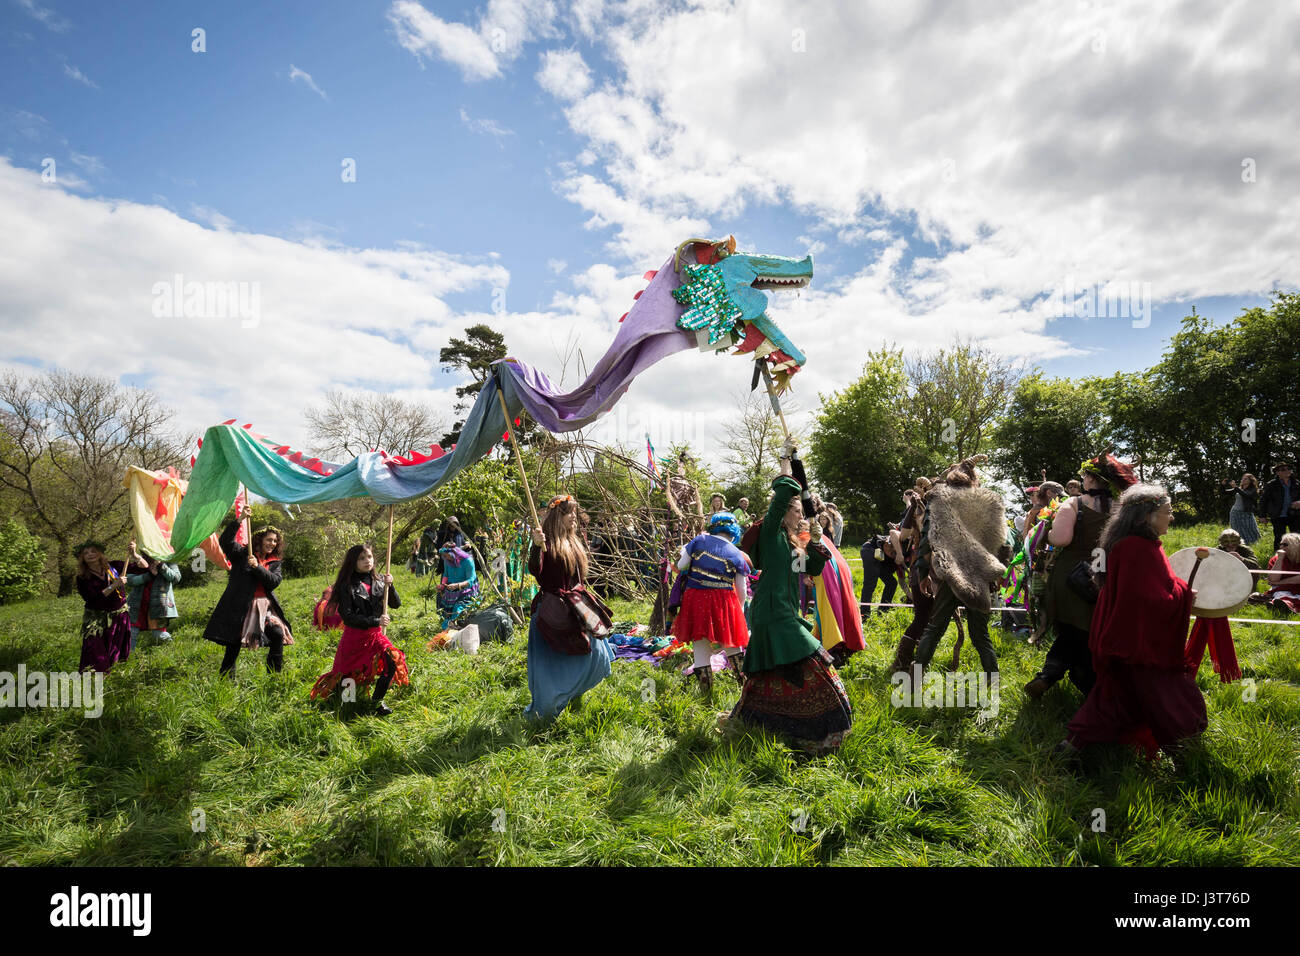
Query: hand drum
pixel 1222 582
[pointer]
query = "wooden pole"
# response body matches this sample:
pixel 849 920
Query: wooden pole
pixel 388 558
pixel 519 460
pixel 514 615
pixel 248 526
pixel 771 394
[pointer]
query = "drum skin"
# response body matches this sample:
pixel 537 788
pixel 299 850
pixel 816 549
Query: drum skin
pixel 1222 585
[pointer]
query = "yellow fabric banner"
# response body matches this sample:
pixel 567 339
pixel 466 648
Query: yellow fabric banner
pixel 154 497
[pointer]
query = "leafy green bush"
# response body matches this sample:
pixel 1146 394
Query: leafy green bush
pixel 22 563
pixel 316 546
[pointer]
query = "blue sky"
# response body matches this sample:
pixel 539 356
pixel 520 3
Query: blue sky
pixel 559 150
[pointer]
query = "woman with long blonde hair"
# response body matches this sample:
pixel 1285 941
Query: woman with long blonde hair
pixel 567 651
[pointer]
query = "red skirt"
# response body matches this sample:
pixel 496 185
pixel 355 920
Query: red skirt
pixel 711 615
pixel 1145 706
pixel 361 656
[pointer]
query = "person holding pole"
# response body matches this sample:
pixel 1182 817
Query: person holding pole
pixel 567 652
pixel 247 611
pixel 790 686
pixel 365 654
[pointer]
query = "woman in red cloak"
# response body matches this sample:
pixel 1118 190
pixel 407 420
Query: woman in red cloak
pixel 1144 694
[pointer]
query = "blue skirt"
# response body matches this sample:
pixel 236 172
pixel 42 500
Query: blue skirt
pixel 1243 522
pixel 555 679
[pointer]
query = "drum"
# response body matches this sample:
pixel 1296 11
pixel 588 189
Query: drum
pixel 1222 584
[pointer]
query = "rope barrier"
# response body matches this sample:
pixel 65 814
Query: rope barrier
pixel 1235 620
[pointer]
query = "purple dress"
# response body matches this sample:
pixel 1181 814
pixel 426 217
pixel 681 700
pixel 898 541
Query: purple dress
pixel 105 624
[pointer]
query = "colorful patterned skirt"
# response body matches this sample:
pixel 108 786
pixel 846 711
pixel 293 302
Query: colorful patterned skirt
pixel 453 602
pixel 105 639
pixel 804 701
pixel 361 656
pixel 711 614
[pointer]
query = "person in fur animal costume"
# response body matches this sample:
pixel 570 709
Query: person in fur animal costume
pixel 957 560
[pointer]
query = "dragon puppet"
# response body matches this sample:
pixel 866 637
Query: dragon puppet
pixel 724 295
pixel 706 295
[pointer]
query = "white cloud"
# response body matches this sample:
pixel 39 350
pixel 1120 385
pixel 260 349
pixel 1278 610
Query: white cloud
pixel 564 74
pixel 556 265
pixel 77 75
pixel 216 220
pixel 480 51
pixel 485 126
pixel 328 316
pixel 91 165
pixel 297 74
pixel 1032 144
pixel 54 21
pixel 30 126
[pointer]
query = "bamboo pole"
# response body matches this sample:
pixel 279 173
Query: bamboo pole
pixel 388 558
pixel 248 528
pixel 519 460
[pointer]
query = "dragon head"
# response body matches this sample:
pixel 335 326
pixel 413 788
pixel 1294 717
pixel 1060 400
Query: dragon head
pixel 724 292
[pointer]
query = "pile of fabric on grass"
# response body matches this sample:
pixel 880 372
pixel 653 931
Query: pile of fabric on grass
pixel 634 642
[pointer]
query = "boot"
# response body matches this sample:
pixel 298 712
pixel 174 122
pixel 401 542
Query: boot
pixel 736 662
pixel 1037 687
pixel 705 675
pixel 381 688
pixel 903 656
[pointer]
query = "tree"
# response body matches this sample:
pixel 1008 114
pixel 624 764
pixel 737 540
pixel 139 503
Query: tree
pixel 752 446
pixel 1264 349
pixel 1221 399
pixel 1050 425
pixel 475 354
pixel 349 424
pixel 956 396
pixel 22 563
pixel 861 450
pixel 68 440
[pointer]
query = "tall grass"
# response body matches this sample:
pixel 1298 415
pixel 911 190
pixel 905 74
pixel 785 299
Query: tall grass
pixel 457 776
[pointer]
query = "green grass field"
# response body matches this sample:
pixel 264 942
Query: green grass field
pixel 456 776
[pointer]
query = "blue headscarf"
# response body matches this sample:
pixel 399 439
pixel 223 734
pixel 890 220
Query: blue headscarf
pixel 724 522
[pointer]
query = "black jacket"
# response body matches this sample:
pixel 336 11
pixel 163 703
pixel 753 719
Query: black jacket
pixel 868 552
pixel 226 626
pixel 361 610
pixel 1273 497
